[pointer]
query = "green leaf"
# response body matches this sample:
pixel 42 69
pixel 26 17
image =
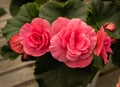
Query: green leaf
pixel 2 11
pixel 7 53
pixel 76 9
pixel 116 53
pixel 117 2
pixel 101 12
pixel 98 62
pixel 70 9
pixel 26 14
pixel 39 2
pixel 60 0
pixel 51 10
pixel 16 4
pixel 51 73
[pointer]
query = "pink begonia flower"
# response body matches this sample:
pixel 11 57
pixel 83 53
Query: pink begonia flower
pixel 15 44
pixel 35 37
pixel 103 45
pixel 73 44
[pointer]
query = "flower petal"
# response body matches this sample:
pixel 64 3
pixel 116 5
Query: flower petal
pixel 41 22
pixel 100 41
pixel 58 24
pixel 79 63
pixel 56 50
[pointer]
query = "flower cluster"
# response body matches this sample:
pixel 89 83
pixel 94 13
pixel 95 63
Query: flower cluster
pixel 71 41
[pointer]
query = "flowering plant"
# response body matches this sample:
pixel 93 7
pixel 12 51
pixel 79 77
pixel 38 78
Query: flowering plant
pixel 70 40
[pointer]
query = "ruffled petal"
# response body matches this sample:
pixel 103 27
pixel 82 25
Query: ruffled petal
pixel 100 42
pixel 58 24
pixel 56 50
pixel 79 63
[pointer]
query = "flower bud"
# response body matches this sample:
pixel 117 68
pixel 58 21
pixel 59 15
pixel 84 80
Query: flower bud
pixel 109 26
pixel 15 44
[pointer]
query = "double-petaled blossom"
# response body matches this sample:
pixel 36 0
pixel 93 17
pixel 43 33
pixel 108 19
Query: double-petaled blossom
pixel 103 45
pixel 33 38
pixel 73 42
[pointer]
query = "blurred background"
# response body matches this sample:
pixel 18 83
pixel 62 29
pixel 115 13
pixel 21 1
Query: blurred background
pixel 20 74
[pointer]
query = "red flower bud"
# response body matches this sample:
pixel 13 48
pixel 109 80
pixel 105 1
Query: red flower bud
pixel 109 26
pixel 15 44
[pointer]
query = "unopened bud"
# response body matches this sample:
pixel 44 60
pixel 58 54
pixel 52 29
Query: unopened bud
pixel 110 26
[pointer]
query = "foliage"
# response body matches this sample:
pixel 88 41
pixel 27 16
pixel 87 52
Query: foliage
pixel 26 14
pixel 16 4
pixel 7 53
pixel 51 73
pixel 116 53
pixel 67 10
pixel 101 12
